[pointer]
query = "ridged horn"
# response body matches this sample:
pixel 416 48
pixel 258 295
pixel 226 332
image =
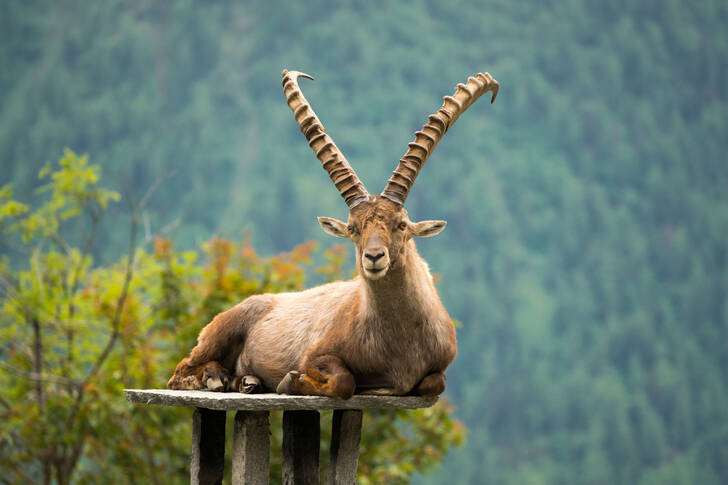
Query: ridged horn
pixel 341 173
pixel 432 132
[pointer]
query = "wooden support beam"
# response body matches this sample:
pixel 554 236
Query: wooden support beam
pixel 345 438
pixel 301 443
pixel 208 447
pixel 251 448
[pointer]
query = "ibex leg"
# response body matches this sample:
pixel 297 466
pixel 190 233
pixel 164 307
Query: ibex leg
pixel 324 375
pixel 432 385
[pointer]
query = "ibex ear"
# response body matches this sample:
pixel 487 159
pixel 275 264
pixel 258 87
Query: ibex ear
pixel 333 226
pixel 427 228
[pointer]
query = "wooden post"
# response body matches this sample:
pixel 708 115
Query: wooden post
pixel 301 442
pixel 251 448
pixel 345 438
pixel 208 447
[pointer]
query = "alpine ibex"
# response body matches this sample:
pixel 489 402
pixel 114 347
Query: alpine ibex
pixel 384 332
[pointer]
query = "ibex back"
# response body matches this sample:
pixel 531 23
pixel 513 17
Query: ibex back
pixel 384 332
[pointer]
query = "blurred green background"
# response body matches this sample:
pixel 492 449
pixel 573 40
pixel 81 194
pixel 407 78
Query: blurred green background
pixel 587 239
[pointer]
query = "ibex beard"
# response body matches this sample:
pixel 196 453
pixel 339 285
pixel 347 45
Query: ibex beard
pixel 384 332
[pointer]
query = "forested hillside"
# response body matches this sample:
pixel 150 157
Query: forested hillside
pixel 586 252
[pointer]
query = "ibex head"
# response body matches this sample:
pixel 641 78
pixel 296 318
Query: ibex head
pixel 378 224
pixel 380 229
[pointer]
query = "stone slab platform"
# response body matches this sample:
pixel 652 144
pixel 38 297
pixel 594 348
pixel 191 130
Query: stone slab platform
pixel 232 401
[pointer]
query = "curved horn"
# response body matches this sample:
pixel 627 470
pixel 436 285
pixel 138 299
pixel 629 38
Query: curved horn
pixel 341 173
pixel 432 132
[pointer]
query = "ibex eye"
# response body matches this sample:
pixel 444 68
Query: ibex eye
pixel 402 226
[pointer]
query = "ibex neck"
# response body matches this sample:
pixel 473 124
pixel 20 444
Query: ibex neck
pixel 405 293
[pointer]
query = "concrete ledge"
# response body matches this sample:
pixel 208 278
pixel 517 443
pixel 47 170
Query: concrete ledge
pixel 231 401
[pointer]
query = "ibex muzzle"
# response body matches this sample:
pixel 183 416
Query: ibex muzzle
pixel 376 254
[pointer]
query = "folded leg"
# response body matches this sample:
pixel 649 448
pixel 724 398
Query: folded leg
pixel 324 375
pixel 209 376
pixel 431 385
pixel 218 347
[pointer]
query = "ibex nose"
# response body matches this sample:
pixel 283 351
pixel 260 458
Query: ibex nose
pixel 374 257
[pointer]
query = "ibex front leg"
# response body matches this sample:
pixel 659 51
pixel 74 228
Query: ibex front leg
pixel 324 375
pixel 212 360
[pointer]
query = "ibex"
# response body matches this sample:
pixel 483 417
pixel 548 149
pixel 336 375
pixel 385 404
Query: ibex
pixel 384 332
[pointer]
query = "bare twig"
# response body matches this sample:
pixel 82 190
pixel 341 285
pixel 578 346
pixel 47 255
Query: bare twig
pixel 39 377
pixel 95 218
pixel 38 276
pixel 10 286
pixel 38 362
pixel 153 188
pixel 161 233
pixel 58 240
pixel 147 226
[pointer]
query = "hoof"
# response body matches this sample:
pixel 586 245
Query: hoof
pixel 284 387
pixel 215 377
pixel 215 384
pixel 249 385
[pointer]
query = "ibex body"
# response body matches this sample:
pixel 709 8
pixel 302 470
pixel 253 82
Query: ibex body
pixel 384 332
